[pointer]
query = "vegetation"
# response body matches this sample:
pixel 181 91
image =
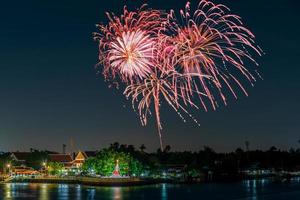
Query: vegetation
pixel 5 159
pixel 136 161
pixel 55 168
pixel 207 160
pixel 105 161
pixel 37 158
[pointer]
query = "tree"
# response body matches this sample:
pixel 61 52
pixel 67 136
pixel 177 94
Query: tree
pixel 130 149
pixel 135 167
pixel 36 159
pixel 167 149
pixel 105 161
pixel 5 159
pixel 142 148
pixel 55 168
pixel 247 144
pixel 89 165
pixel 209 150
pixel 123 147
pixel 273 148
pixel 115 146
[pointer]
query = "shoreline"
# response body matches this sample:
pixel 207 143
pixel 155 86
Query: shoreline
pixel 133 181
pixel 90 181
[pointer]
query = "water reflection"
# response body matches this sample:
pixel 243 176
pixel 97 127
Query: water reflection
pixel 164 194
pixel 296 179
pixel 78 192
pixel 7 191
pixel 117 193
pixel 44 192
pixel 251 189
pixel 12 190
pixel 63 191
pixel 91 193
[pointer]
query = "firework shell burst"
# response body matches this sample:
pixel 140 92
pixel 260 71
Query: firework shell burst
pixel 127 44
pixel 160 58
pixel 211 41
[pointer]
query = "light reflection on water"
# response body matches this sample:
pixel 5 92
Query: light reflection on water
pixel 63 191
pixel 246 190
pixel 44 192
pixel 164 194
pixel 270 187
pixel 78 192
pixel 117 193
pixel 251 188
pixel 8 190
pixel 91 193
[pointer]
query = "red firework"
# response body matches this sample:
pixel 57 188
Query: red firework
pixel 161 58
pixel 127 43
pixel 212 42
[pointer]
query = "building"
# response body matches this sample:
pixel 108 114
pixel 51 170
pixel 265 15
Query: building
pixel 20 158
pixel 65 159
pixel 24 172
pixel 82 156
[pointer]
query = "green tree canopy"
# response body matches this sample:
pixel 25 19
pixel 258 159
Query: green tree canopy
pixel 55 168
pixel 5 159
pixel 105 161
pixel 36 159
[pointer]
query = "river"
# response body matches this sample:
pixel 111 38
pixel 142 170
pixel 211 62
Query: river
pixel 254 189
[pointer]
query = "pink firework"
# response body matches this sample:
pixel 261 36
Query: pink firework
pixel 161 59
pixel 211 41
pixel 132 54
pixel 160 86
pixel 127 43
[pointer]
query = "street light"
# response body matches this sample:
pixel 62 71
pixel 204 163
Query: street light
pixel 8 166
pixel 45 167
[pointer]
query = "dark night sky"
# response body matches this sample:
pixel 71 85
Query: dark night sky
pixel 49 91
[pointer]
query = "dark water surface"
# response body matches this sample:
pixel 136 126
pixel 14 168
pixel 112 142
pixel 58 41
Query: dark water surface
pixel 262 189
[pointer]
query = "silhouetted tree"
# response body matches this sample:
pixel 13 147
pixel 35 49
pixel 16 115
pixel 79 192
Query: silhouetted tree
pixel 167 149
pixel 115 146
pixel 247 144
pixel 273 148
pixel 36 158
pixel 142 148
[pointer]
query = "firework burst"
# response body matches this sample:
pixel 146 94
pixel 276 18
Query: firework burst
pixel 161 59
pixel 132 54
pixel 211 41
pixel 127 43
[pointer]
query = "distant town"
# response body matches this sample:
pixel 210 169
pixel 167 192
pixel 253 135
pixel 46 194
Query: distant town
pixel 127 164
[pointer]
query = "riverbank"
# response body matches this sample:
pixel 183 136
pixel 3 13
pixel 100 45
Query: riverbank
pixel 133 181
pixel 88 181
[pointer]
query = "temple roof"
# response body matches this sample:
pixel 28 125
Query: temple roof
pixel 62 158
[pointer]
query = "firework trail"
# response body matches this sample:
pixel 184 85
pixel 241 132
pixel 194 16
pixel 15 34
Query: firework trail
pixel 161 58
